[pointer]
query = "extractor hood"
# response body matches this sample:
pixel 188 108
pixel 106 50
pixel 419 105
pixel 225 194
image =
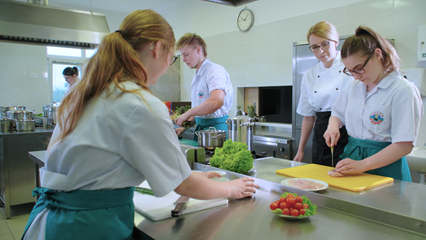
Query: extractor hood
pixel 234 3
pixel 31 23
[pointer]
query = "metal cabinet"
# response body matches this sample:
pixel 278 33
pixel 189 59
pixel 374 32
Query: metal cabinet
pixel 269 146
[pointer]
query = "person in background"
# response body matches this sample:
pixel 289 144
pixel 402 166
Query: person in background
pixel 382 110
pixel 319 89
pixel 70 75
pixel 211 88
pixel 112 134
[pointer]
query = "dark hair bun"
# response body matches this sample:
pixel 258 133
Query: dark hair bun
pixel 69 71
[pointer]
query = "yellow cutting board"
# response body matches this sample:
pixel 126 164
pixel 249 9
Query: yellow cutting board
pixel 355 183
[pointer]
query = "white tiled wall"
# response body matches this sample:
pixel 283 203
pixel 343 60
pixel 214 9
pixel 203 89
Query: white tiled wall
pixel 23 75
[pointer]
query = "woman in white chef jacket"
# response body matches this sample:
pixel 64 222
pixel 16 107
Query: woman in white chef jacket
pixel 112 134
pixel 382 110
pixel 319 89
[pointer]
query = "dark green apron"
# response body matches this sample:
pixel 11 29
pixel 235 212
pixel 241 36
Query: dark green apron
pixel 84 214
pixel 358 149
pixel 205 123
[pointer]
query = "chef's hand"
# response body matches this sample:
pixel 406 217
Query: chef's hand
pixel 180 130
pixel 242 187
pixel 348 165
pixel 182 118
pixel 299 156
pixel 331 136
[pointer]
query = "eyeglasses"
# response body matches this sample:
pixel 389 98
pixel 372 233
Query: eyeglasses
pixel 324 46
pixel 174 59
pixel 359 70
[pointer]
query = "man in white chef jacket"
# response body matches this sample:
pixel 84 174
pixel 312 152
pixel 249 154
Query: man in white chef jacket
pixel 211 87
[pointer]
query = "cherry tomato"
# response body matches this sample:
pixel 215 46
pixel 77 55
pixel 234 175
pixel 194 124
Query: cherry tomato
pixel 273 206
pixel 305 206
pixel 298 206
pixel 294 212
pixel 286 211
pixel 299 199
pixel 283 205
pixel 290 196
pixel 282 199
pixel 290 202
pixel 302 211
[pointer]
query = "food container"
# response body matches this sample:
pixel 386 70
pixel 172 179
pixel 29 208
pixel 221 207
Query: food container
pixel 24 125
pixel 240 129
pixel 52 113
pixel 6 125
pixel 211 138
pixel 20 115
pixel 46 110
pixel 4 109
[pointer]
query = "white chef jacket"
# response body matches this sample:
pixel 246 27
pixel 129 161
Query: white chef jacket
pixel 391 112
pixel 118 142
pixel 209 77
pixel 321 86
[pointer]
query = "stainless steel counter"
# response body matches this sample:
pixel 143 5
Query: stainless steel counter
pixel 16 170
pixel 393 211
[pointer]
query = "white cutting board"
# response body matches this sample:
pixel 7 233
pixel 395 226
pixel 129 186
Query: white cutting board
pixel 160 208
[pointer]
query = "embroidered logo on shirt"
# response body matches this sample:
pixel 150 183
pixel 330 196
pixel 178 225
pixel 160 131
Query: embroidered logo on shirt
pixel 200 94
pixel 376 117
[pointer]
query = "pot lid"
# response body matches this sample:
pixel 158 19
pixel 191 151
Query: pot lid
pixel 242 118
pixel 212 130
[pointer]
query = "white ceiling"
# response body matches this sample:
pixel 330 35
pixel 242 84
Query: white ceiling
pixel 123 6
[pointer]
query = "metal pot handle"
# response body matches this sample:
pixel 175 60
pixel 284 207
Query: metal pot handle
pixel 196 133
pixel 212 128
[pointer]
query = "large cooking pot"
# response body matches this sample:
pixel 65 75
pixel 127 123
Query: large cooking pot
pixel 6 125
pixel 52 113
pixel 20 115
pixel 4 109
pixel 211 138
pixel 24 125
pixel 240 129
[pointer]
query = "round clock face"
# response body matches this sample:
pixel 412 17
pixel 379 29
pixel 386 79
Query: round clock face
pixel 245 20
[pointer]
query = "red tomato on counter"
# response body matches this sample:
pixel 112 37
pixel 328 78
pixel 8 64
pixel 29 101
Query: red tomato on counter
pixel 290 202
pixel 299 199
pixel 286 211
pixel 305 206
pixel 298 206
pixel 273 206
pixel 283 205
pixel 294 212
pixel 302 211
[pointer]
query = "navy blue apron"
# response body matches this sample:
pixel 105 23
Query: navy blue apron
pixel 321 153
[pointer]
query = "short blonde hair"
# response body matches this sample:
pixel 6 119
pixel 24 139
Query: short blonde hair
pixel 192 39
pixel 325 30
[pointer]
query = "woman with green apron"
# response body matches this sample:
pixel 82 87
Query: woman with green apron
pixel 113 134
pixel 382 111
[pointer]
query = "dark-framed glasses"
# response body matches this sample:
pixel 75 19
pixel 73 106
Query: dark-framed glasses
pixel 174 59
pixel 324 46
pixel 357 70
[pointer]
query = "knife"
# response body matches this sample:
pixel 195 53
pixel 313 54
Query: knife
pixel 181 203
pixel 332 156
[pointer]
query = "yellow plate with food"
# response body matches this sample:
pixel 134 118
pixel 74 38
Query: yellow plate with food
pixel 306 184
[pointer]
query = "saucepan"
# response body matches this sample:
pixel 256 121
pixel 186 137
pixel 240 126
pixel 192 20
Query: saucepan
pixel 211 138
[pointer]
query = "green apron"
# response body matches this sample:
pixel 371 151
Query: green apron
pixel 358 149
pixel 205 123
pixel 84 214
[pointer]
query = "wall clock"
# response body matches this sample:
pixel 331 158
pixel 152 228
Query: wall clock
pixel 245 19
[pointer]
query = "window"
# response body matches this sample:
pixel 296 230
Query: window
pixel 66 52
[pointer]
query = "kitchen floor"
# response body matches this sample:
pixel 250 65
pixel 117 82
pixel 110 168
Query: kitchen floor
pixel 13 228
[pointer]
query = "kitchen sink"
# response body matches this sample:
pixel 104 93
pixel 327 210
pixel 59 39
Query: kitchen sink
pixel 417 161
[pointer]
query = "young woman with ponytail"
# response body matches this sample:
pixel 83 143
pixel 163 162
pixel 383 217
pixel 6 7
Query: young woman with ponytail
pixel 382 110
pixel 112 134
